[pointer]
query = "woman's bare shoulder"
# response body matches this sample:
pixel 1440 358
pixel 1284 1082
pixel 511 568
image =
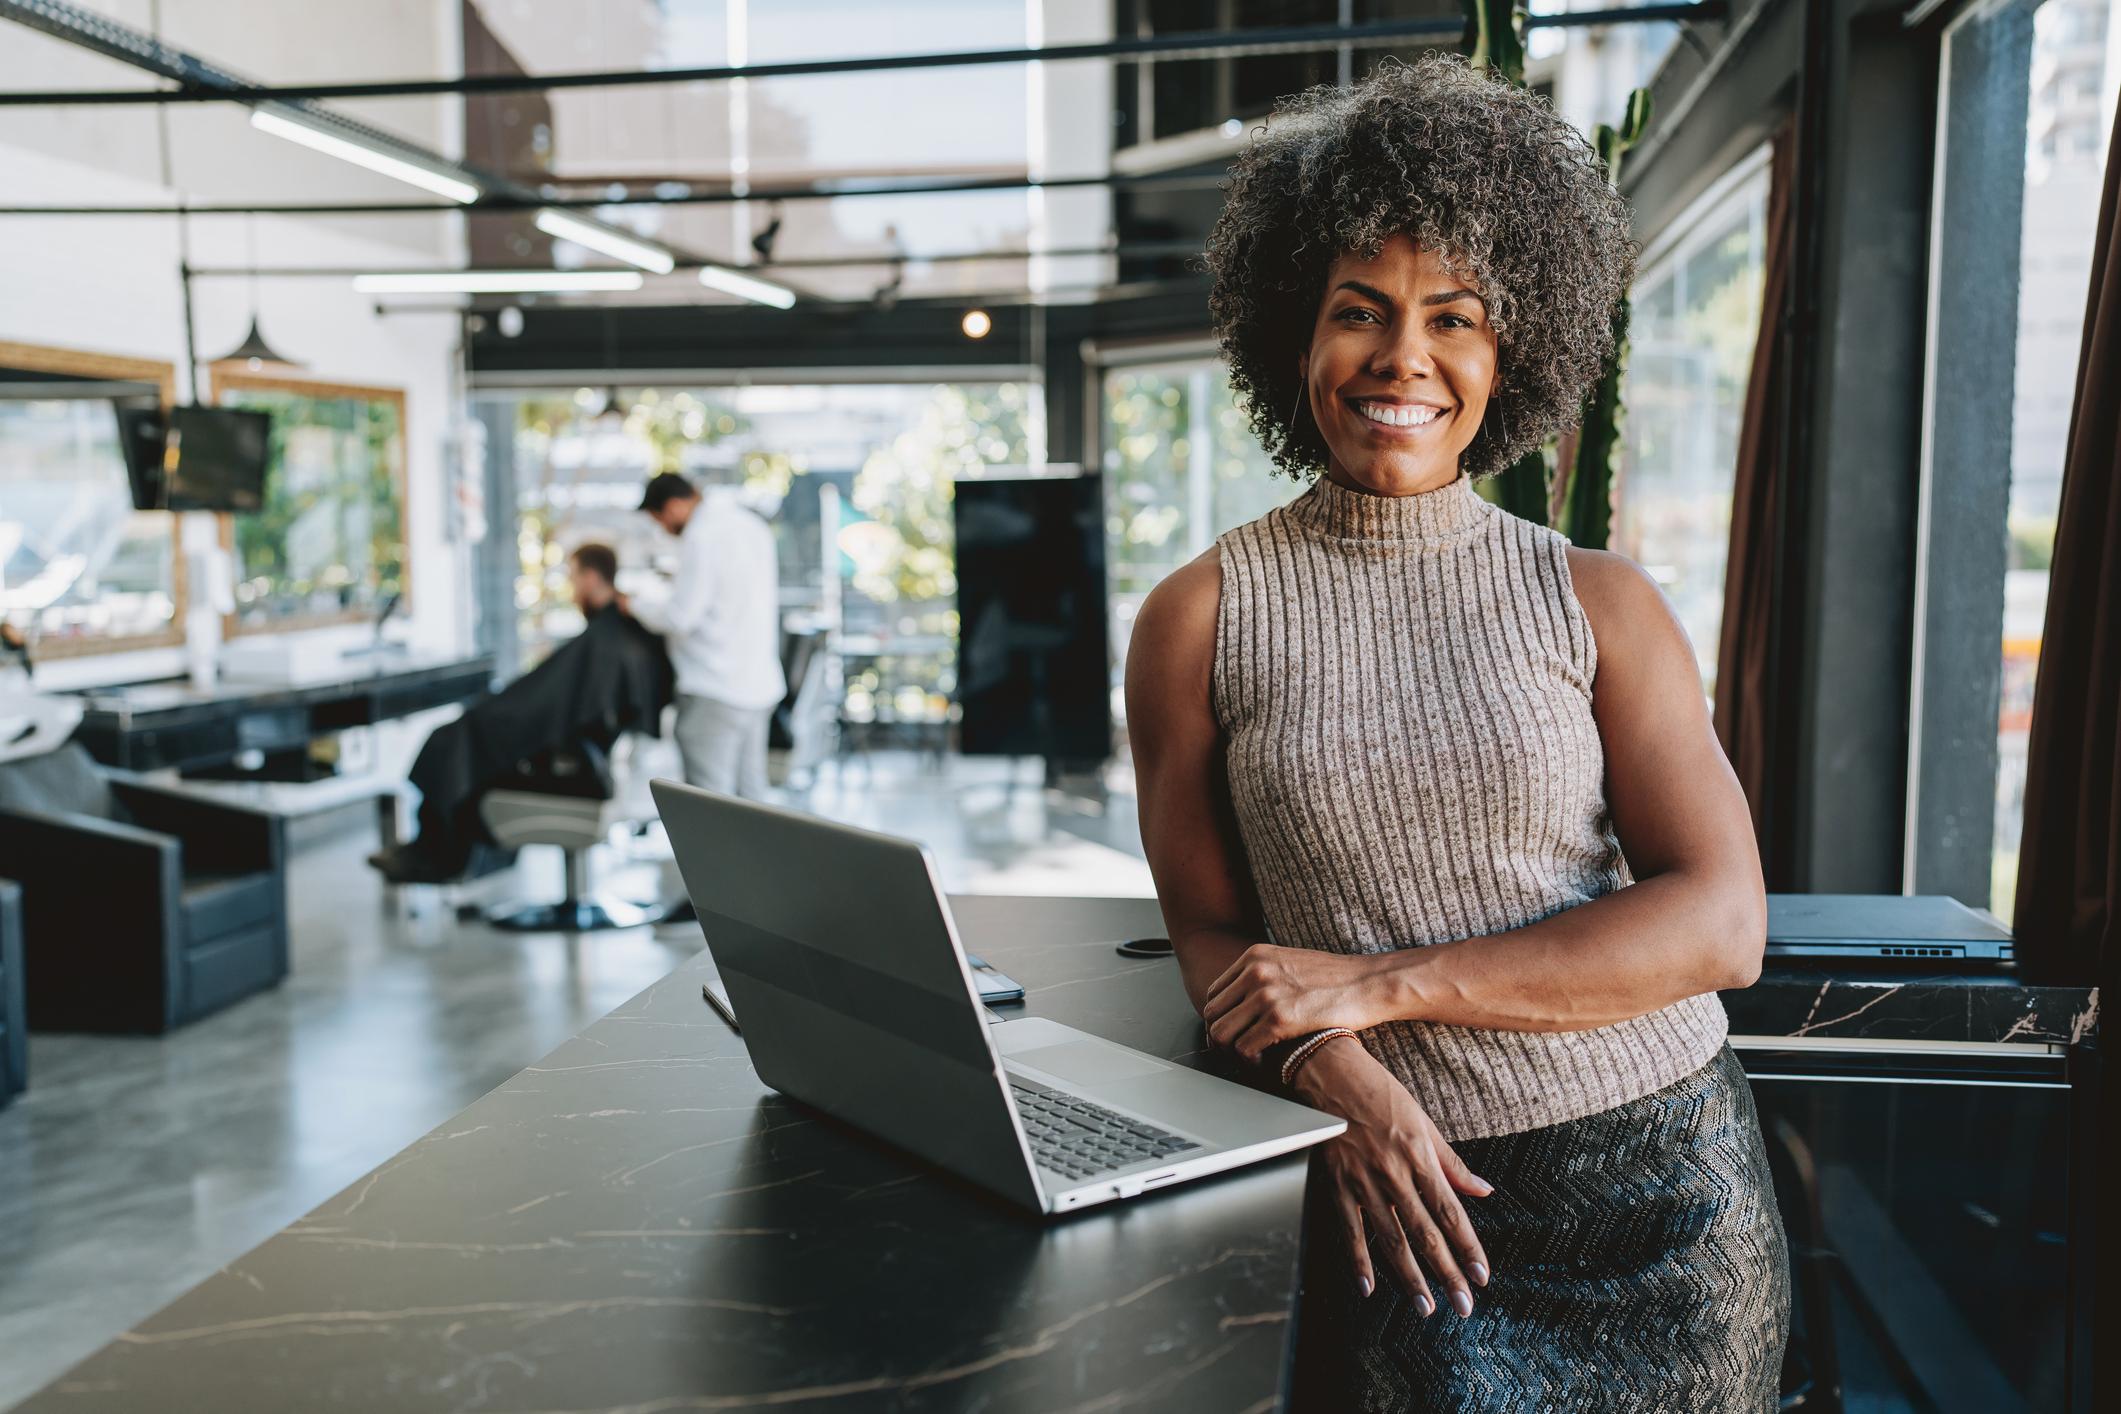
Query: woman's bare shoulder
pixel 1630 616
pixel 1184 602
pixel 1174 630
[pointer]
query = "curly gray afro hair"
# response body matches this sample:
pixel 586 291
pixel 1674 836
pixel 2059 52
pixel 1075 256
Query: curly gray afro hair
pixel 1467 165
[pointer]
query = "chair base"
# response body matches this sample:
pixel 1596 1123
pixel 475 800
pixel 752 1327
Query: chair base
pixel 587 915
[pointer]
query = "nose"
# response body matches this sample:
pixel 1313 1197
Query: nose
pixel 1403 354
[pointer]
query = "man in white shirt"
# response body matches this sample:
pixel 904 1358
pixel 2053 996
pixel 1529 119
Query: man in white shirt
pixel 722 624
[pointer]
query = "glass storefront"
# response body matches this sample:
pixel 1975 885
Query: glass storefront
pixel 855 479
pixel 1181 467
pixel 1696 315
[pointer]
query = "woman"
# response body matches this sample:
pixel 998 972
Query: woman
pixel 1439 826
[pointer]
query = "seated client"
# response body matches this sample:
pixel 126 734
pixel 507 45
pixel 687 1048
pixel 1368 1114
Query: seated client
pixel 612 678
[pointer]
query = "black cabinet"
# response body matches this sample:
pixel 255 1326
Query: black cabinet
pixel 1933 1207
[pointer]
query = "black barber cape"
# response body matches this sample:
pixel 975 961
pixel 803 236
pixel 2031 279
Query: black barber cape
pixel 615 677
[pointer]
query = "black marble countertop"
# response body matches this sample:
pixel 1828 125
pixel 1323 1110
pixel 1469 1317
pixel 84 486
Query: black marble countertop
pixel 1849 1002
pixel 635 1223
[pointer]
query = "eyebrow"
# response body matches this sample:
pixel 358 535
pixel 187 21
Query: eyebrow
pixel 1371 292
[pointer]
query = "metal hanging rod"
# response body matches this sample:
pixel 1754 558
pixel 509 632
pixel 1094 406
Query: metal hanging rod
pixel 1123 251
pixel 1202 181
pixel 1207 44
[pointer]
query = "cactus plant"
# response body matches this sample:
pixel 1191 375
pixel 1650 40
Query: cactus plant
pixel 1577 498
pixel 1587 493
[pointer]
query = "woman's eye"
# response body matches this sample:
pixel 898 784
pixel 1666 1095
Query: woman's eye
pixel 1454 321
pixel 1355 314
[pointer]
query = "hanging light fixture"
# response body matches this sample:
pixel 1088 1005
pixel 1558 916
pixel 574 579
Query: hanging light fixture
pixel 254 353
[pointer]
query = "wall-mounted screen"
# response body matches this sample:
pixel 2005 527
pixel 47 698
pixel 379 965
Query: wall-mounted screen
pixel 214 460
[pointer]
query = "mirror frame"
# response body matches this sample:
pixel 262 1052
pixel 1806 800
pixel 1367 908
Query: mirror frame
pixel 41 358
pixel 228 376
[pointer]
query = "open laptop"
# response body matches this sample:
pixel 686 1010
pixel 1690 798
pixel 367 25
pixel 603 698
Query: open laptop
pixel 839 954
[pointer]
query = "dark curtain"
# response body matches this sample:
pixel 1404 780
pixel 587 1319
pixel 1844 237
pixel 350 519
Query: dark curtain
pixel 1750 717
pixel 2069 864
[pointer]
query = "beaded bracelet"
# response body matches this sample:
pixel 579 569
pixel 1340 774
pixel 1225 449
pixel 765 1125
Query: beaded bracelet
pixel 1309 1048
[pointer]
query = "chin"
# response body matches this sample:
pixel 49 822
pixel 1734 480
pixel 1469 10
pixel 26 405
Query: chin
pixel 1399 476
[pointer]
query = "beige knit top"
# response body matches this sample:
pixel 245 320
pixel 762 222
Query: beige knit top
pixel 1405 686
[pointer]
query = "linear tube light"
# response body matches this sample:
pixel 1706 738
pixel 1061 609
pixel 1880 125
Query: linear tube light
pixel 361 154
pixel 606 241
pixel 731 282
pixel 497 282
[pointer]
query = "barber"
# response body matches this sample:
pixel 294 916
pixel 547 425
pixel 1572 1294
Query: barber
pixel 722 624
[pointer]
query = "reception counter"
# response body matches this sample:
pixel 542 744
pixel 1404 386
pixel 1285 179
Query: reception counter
pixel 635 1222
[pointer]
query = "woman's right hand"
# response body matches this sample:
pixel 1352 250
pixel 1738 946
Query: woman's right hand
pixel 1392 1172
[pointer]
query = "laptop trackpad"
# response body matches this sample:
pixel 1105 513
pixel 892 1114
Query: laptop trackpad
pixel 1087 1062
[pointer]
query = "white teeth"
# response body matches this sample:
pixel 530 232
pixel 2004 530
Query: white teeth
pixel 1397 414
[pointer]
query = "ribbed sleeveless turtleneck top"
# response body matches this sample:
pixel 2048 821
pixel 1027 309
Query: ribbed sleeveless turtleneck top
pixel 1404 684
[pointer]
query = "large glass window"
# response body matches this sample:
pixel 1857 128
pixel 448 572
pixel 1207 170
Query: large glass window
pixel 1696 316
pixel 1181 467
pixel 767 132
pixel 80 569
pixel 855 479
pixel 2075 72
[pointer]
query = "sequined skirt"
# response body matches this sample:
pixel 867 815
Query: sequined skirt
pixel 1639 1264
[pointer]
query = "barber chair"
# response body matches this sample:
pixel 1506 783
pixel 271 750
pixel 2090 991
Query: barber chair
pixel 14 1026
pixel 800 734
pixel 144 907
pixel 566 799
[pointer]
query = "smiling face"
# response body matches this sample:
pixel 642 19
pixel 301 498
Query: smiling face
pixel 1401 365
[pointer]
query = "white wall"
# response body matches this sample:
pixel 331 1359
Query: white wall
pixel 111 285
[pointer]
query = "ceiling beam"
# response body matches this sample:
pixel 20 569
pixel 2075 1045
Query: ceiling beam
pixel 1207 44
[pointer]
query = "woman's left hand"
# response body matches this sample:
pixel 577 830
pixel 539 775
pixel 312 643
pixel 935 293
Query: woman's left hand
pixel 1275 994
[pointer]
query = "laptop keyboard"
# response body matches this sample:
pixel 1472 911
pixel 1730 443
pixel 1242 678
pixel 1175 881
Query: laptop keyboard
pixel 1078 1139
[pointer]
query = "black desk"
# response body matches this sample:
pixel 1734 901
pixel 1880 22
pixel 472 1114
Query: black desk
pixel 156 725
pixel 636 1223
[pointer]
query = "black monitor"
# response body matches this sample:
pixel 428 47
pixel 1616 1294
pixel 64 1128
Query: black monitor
pixel 214 459
pixel 1033 676
pixel 143 429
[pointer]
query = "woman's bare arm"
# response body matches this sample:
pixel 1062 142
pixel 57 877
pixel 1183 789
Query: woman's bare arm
pixel 1210 911
pixel 1696 918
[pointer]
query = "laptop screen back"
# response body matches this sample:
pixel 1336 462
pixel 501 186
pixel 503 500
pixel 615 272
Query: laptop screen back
pixel 838 957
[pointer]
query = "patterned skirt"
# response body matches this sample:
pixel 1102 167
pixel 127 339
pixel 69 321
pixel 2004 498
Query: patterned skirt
pixel 1639 1265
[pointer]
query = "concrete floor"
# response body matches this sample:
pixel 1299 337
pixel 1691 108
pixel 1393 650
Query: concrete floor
pixel 133 1168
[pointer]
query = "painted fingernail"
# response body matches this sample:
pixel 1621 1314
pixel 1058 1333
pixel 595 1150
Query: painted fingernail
pixel 1485 1187
pixel 1478 1272
pixel 1462 1302
pixel 1364 1283
pixel 1428 1307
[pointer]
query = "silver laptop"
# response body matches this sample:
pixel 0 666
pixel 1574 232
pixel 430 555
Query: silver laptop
pixel 840 957
pixel 1923 927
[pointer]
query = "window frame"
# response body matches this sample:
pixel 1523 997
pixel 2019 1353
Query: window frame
pixel 1963 485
